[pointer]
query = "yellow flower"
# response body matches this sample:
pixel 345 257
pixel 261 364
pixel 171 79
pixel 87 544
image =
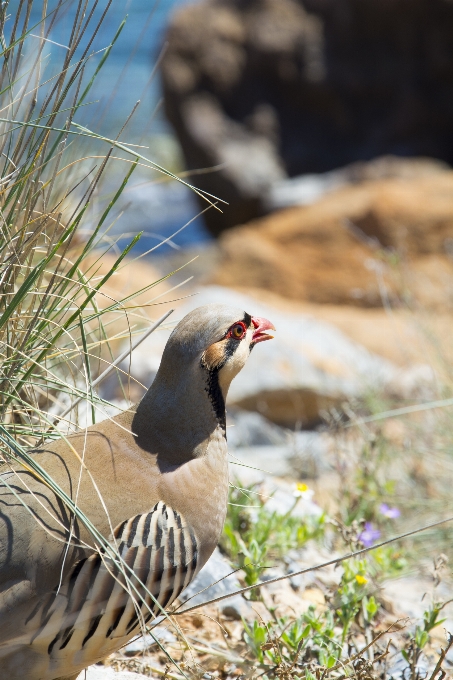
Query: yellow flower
pixel 300 486
pixel 361 580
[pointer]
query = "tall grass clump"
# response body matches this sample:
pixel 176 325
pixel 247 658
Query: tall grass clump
pixel 50 321
pixel 55 316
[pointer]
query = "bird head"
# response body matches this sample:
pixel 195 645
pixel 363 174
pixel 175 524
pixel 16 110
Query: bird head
pixel 211 344
pixel 219 338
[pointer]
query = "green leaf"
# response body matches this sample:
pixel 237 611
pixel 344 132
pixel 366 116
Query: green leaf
pixel 86 359
pixel 421 638
pixel 261 635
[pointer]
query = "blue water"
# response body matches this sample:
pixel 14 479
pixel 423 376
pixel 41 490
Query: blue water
pixel 125 76
pixel 124 79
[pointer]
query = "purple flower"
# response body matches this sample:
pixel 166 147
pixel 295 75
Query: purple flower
pixel 369 535
pixel 391 513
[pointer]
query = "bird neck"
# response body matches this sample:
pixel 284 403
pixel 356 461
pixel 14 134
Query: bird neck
pixel 181 415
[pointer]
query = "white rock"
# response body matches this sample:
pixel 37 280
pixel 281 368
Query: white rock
pixel 399 669
pixel 309 367
pixel 418 381
pixel 245 429
pixel 300 455
pixel 280 494
pixel 251 464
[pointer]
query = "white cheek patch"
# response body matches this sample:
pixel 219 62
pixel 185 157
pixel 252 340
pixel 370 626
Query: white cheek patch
pixel 235 362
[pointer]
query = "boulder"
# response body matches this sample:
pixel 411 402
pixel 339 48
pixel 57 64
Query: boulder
pixel 309 367
pixel 267 89
pixel 246 429
pixel 343 249
pixel 400 669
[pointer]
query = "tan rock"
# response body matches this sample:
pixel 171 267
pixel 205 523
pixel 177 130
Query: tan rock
pixel 348 247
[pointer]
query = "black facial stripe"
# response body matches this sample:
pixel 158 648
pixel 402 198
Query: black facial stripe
pixel 213 387
pixel 231 346
pixel 247 319
pixel 216 396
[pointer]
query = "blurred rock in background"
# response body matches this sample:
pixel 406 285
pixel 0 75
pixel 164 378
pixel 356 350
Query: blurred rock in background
pixel 345 248
pixel 274 89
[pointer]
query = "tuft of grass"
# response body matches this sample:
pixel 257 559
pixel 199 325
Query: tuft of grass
pixel 56 317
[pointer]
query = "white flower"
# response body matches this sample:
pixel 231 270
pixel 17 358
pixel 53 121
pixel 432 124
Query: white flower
pixel 303 491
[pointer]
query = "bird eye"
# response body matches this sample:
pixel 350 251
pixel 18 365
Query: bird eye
pixel 237 331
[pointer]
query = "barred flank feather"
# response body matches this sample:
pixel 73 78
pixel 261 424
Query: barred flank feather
pixel 94 608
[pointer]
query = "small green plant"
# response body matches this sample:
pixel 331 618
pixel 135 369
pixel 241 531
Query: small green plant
pixel 388 562
pixel 319 639
pixel 416 645
pixel 285 645
pixel 254 537
pixel 253 562
pixel 256 637
pixel 351 595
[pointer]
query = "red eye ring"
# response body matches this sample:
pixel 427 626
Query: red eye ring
pixel 237 330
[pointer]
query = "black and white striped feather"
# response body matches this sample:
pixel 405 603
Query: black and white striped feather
pixel 95 609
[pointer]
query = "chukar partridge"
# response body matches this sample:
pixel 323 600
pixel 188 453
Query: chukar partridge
pixel 154 479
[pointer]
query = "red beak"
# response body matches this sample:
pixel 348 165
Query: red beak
pixel 261 325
